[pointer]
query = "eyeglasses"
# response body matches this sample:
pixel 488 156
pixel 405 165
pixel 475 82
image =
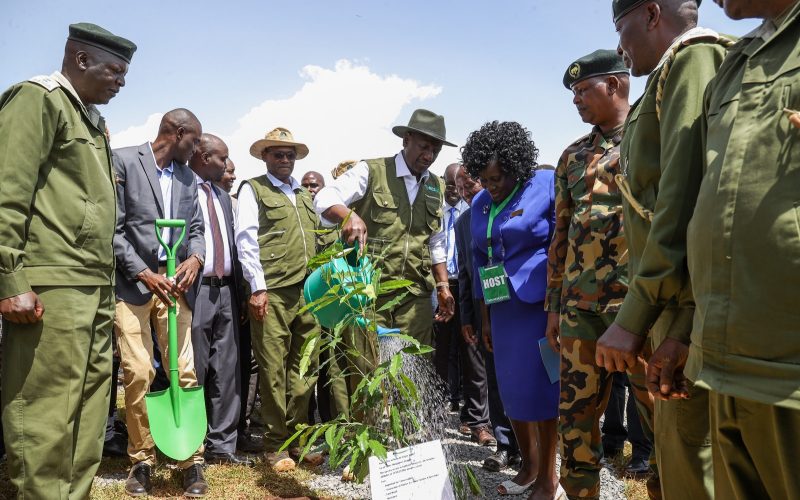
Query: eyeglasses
pixel 280 155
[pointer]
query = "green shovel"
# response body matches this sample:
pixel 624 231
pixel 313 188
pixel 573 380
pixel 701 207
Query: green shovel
pixel 177 415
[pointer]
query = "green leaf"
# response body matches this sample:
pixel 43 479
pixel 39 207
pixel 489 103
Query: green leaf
pixel 301 429
pixel 402 336
pixel 474 486
pixel 308 350
pixel 362 438
pixel 377 449
pixel 417 350
pixel 410 386
pixel 393 302
pixel 396 424
pixel 395 364
pixel 369 291
pixel 330 436
pixel 391 285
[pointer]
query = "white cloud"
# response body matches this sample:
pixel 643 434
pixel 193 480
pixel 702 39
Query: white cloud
pixel 346 112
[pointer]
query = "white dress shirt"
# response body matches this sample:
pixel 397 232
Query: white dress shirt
pixel 208 267
pixel 351 186
pixel 165 182
pixel 247 229
pixel 451 214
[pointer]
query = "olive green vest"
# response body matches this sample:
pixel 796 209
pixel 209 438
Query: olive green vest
pixel 398 231
pixel 286 237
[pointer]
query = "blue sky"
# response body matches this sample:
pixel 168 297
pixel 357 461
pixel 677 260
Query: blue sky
pixel 339 74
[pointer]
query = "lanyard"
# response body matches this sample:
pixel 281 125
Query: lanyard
pixel 496 209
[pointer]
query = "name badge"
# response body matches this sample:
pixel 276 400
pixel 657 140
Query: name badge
pixel 494 283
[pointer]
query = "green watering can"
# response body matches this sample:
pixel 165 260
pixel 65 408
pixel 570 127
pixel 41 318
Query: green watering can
pixel 177 415
pixel 345 271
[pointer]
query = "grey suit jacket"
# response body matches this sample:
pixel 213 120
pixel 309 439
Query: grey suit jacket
pixel 470 315
pixel 139 204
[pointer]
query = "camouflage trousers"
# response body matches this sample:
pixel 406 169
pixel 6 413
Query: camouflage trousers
pixel 585 389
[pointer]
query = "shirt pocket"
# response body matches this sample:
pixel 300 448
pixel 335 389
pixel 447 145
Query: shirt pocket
pixel 433 212
pixel 273 252
pixel 89 218
pixel 275 209
pixel 384 209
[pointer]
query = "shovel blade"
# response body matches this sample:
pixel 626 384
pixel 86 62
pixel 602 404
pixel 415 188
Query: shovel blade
pixel 177 441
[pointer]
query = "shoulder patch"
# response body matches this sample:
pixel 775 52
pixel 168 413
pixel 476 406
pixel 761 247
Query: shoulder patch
pixel 45 81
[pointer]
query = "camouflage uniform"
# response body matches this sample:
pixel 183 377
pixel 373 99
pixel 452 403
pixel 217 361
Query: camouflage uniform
pixel 587 282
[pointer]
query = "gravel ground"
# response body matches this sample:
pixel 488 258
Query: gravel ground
pixel 468 453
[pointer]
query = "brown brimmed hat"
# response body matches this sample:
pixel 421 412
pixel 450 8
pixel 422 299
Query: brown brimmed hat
pixel 426 123
pixel 278 137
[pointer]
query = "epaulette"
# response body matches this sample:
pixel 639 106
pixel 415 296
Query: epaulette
pixel 45 81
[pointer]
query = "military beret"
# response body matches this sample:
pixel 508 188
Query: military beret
pixel 94 35
pixel 622 7
pixel 600 62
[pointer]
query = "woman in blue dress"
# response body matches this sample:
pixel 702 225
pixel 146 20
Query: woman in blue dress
pixel 516 208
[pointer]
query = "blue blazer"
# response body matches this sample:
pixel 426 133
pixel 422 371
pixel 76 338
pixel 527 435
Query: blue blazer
pixel 520 236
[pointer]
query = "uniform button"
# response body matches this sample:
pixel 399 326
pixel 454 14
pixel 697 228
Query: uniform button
pixel 385 203
pixel 272 255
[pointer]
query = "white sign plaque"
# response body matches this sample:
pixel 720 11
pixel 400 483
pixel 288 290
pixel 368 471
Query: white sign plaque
pixel 413 473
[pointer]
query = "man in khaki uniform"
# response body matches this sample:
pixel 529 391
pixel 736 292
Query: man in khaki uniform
pixel 275 238
pixel 742 256
pixel 660 156
pixel 57 266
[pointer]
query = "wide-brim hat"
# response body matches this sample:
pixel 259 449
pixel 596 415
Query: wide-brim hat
pixel 278 137
pixel 426 123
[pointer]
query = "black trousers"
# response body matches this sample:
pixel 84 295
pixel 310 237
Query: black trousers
pixel 446 356
pixel 614 432
pixel 248 377
pixel 215 342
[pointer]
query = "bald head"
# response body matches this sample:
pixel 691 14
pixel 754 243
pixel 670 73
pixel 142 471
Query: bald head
pixel 178 136
pixel 313 181
pixel 209 160
pixel 647 31
pixel 450 191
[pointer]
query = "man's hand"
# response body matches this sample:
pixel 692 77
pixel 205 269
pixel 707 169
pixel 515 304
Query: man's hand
pixel 447 305
pixel 618 349
pixel 258 305
pixel 665 378
pixel 355 229
pixel 553 331
pixel 468 333
pixel 159 285
pixel 23 308
pixel 187 272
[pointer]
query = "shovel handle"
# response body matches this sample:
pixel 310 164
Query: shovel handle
pixel 162 223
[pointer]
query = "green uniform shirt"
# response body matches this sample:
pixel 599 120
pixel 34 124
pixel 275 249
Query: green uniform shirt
pixel 400 231
pixel 744 237
pixel 662 161
pixel 587 260
pixel 286 236
pixel 57 197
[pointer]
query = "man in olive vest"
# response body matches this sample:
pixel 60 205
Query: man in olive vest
pixel 275 236
pixel 395 206
pixel 57 218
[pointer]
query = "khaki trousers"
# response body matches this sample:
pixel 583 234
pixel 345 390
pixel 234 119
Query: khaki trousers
pixel 278 347
pixel 132 327
pixel 682 436
pixel 756 449
pixel 56 381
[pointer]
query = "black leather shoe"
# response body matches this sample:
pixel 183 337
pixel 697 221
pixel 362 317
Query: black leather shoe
pixel 249 444
pixel 138 482
pixel 637 467
pixel 194 484
pixel 226 458
pixel 610 456
pixel 454 407
pixel 501 459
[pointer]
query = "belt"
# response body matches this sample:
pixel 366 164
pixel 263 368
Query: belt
pixel 217 282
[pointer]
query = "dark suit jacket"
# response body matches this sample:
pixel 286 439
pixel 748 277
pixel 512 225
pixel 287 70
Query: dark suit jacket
pixel 139 204
pixel 470 315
